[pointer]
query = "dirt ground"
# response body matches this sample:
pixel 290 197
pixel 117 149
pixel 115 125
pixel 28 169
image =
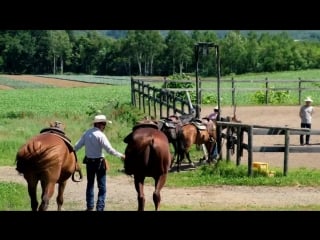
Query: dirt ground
pixel 48 81
pixel 277 116
pixel 121 195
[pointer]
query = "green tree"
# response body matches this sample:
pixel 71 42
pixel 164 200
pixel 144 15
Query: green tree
pixel 17 51
pixel 233 53
pixel 60 48
pixel 179 49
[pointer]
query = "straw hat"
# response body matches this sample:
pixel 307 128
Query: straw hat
pixel 100 118
pixel 308 99
pixel 216 108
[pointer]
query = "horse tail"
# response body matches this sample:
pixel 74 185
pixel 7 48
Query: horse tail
pixel 180 144
pixel 147 151
pixel 26 155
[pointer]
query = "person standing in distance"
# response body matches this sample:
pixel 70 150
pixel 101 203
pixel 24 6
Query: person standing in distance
pixel 214 114
pixel 94 140
pixel 305 115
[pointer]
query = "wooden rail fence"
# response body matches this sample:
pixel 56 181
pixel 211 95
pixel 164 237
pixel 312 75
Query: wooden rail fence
pixel 154 100
pixel 252 130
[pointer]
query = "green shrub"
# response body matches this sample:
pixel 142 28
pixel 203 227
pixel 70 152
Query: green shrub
pixel 274 96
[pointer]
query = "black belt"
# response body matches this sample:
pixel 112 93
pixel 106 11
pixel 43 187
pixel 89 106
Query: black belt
pixel 92 160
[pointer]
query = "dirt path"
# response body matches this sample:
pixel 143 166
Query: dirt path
pixel 121 196
pixel 48 81
pixel 276 116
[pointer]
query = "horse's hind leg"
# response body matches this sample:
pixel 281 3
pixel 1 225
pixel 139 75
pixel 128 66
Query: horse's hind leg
pixel 47 192
pixel 138 183
pixel 59 199
pixel 32 190
pixel 189 159
pixel 159 183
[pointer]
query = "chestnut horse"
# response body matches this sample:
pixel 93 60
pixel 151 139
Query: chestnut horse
pixel 49 158
pixel 171 126
pixel 147 155
pixel 196 132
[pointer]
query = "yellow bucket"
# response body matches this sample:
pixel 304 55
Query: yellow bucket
pixel 261 166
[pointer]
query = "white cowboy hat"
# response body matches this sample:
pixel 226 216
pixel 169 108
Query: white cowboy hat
pixel 308 99
pixel 101 118
pixel 216 108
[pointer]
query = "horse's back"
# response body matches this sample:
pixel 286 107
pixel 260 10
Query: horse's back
pixel 147 152
pixel 45 151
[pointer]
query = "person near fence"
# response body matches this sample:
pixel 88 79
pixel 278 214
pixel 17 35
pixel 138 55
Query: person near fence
pixel 214 114
pixel 94 140
pixel 305 113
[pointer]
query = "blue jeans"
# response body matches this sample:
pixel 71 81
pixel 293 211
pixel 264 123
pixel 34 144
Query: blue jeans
pixel 215 151
pixel 96 169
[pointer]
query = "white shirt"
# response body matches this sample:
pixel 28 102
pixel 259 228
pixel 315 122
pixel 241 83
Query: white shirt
pixel 306 114
pixel 95 141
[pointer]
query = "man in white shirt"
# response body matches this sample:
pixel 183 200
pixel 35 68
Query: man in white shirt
pixel 305 115
pixel 94 140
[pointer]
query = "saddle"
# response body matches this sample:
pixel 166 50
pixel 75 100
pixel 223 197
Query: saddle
pixel 169 123
pixel 60 133
pixel 145 124
pixel 199 125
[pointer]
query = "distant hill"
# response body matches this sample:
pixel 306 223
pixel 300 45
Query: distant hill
pixel 295 34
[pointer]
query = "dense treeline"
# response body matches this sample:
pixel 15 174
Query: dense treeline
pixel 149 52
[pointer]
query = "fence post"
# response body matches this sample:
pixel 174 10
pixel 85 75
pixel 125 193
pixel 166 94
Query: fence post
pixel 133 99
pixel 239 143
pixel 149 101
pixel 286 151
pixel 143 97
pixel 168 103
pixel 154 101
pixel 139 87
pixel 300 81
pixel 233 91
pixel 250 135
pixel 228 157
pixel 267 92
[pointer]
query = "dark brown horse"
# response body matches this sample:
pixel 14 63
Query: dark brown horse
pixel 49 158
pixel 147 155
pixel 196 132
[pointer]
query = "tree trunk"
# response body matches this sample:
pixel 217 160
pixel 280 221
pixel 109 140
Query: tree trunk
pixel 173 66
pixel 151 66
pixel 139 64
pixel 181 67
pixel 145 67
pixel 54 64
pixel 61 65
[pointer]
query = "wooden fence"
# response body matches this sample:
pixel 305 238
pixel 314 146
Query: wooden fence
pixel 252 130
pixel 235 86
pixel 154 101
